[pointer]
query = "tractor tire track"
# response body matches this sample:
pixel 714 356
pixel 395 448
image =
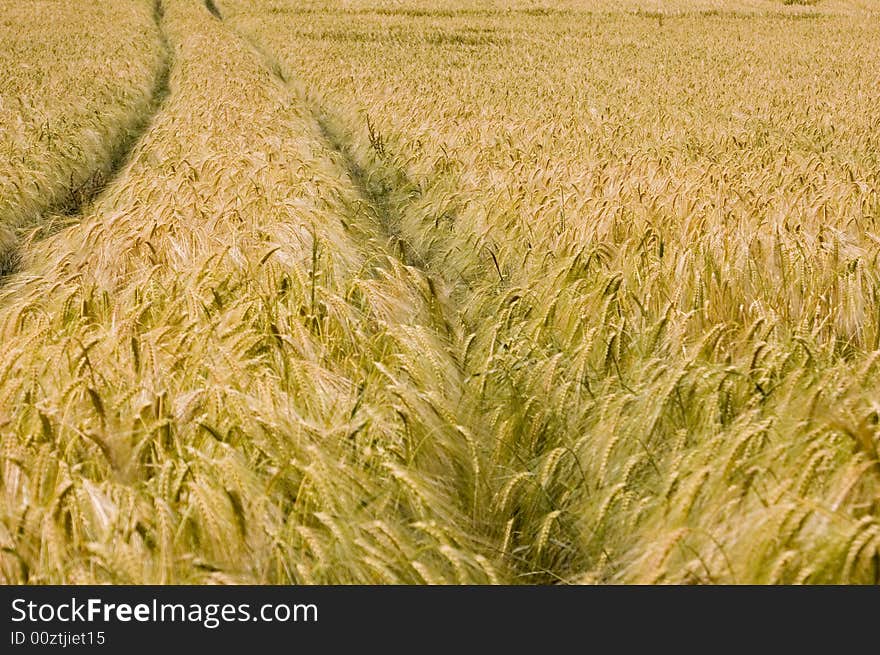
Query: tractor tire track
pixel 375 191
pixel 482 288
pixel 382 206
pixel 87 193
pixel 79 197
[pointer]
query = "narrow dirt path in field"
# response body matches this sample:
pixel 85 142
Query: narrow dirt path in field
pixel 80 197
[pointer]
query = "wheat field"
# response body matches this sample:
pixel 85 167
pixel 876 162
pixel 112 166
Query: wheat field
pixel 460 292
